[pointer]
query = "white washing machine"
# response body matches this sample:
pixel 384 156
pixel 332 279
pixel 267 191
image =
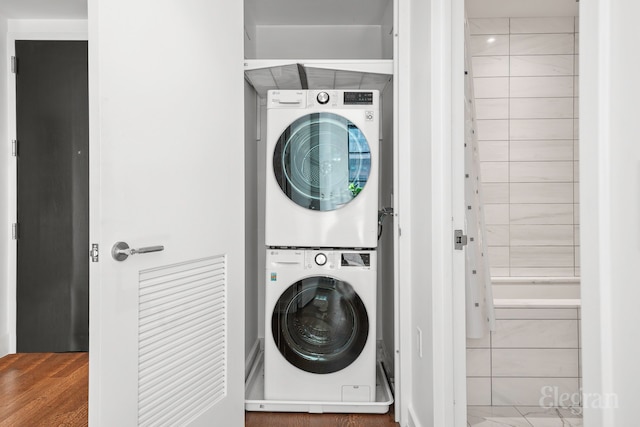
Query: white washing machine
pixel 322 168
pixel 320 325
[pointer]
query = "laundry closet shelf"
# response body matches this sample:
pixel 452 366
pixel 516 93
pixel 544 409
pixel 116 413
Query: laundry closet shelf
pixel 255 401
pixel 267 74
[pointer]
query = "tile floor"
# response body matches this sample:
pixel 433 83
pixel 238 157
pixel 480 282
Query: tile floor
pixel 522 416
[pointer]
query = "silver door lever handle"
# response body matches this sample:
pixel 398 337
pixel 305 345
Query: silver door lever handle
pixel 121 250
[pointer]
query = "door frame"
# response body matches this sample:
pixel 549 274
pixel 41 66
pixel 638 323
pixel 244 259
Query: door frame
pixel 49 30
pixel 596 250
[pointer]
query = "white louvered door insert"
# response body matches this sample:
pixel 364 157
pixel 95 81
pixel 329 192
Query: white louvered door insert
pixel 182 346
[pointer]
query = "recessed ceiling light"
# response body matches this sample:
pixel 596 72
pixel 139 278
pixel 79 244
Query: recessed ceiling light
pixel 491 39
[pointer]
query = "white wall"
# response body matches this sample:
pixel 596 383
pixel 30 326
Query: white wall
pixel 4 191
pixel 610 197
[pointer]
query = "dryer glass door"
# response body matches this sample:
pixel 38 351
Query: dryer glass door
pixel 320 324
pixel 322 161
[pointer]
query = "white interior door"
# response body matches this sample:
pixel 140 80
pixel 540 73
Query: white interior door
pixel 167 131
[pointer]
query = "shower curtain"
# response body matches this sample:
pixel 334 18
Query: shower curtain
pixel 479 298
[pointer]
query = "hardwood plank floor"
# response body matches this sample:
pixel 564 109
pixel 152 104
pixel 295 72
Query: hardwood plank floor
pixel 51 389
pixel 44 389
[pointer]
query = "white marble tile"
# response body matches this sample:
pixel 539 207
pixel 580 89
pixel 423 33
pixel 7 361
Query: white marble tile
pixel 542 65
pixel 493 108
pixel 540 193
pixel 492 44
pixel 542 235
pixel 541 172
pixel 535 362
pixel 576 48
pixel 576 171
pixel 541 108
pixel 576 234
pixel 490 66
pixel 576 128
pixel 536 313
pixel 576 149
pixel 576 254
pixel 494 416
pixel 576 85
pixel 535 334
pixel 492 130
pixel 552 25
pixel 538 129
pixel 541 44
pixel 494 87
pixel 496 151
pixel 541 87
pixel 576 192
pixel 489 26
pixel 478 362
pixel 530 151
pixel 497 235
pixel 496 193
pixel 523 214
pixel 494 171
pixel 529 391
pixel 541 256
pixel 542 272
pixel 576 64
pixel 577 24
pixel 496 214
pixel 500 272
pixel 552 417
pixel 576 214
pixel 479 391
pixel 499 256
pixel 484 342
pixel 576 107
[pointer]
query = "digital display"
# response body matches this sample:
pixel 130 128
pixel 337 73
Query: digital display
pixel 355 260
pixel 358 98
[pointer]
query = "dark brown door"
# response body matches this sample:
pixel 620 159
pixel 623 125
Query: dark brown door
pixel 53 196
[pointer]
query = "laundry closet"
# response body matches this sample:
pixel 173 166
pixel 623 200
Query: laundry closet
pixel 322 62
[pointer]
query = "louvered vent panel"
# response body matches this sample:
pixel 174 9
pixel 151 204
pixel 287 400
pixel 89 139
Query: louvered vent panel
pixel 182 352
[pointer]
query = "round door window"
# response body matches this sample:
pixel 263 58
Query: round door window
pixel 320 325
pixel 322 161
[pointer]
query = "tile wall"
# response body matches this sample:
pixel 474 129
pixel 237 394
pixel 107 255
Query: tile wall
pixel 526 93
pixel 530 349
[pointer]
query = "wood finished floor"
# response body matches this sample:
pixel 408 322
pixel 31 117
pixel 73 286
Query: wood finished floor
pixel 51 389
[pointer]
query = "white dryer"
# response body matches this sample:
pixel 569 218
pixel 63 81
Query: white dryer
pixel 320 325
pixel 322 168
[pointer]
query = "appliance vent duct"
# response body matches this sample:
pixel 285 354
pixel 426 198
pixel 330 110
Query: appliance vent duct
pixel 182 341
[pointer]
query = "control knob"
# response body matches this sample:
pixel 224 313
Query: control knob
pixel 321 259
pixel 323 98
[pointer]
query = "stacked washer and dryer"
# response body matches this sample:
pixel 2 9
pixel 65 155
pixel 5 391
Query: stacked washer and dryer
pixel 321 234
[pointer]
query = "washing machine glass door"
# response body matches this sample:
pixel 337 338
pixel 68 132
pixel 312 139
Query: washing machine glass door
pixel 322 161
pixel 320 325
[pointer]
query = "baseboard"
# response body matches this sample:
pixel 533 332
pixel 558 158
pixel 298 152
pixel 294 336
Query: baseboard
pixel 251 357
pixel 4 344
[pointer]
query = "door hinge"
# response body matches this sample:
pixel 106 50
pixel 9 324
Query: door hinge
pixel 95 252
pixel 14 231
pixel 14 65
pixel 14 148
pixel 459 240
